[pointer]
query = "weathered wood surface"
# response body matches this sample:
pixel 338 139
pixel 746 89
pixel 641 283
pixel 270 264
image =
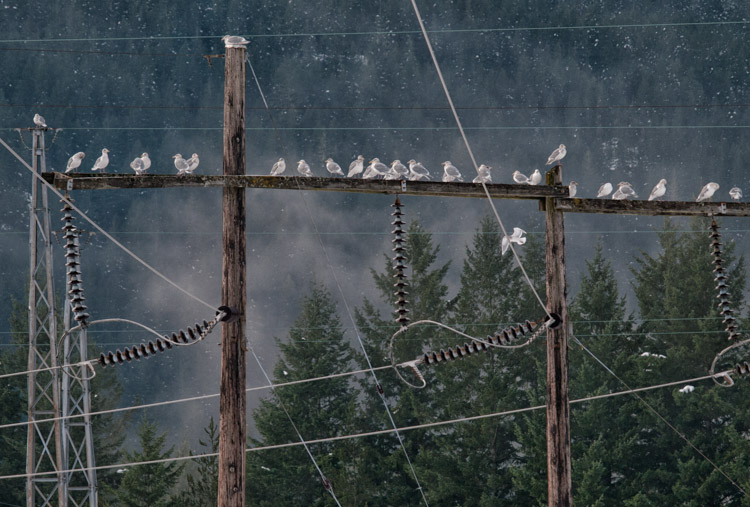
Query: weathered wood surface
pixel 232 399
pixel 627 207
pixel 558 396
pixel 434 188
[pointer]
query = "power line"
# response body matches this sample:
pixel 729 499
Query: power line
pixel 397 32
pixel 386 431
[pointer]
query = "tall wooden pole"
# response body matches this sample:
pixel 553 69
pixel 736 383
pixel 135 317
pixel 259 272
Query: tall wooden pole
pixel 232 424
pixel 558 407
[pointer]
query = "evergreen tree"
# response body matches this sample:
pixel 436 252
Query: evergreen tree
pixel 203 485
pixel 149 485
pixel 316 347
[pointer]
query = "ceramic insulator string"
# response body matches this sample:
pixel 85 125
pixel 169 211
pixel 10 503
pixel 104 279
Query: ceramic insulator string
pixel 725 307
pixel 399 265
pixel 71 235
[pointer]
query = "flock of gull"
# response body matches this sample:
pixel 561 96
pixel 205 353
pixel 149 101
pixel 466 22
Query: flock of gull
pixel 139 164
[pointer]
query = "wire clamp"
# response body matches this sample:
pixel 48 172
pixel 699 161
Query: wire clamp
pixel 226 314
pixel 552 321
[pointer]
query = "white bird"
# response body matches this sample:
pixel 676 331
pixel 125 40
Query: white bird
pixel 146 161
pixel 572 189
pixel 624 190
pixel 356 167
pixel 604 190
pixel 137 166
pixel 234 41
pixel 558 154
pixel 687 389
pixel 483 174
pixel 520 178
pixel 303 168
pixel 400 169
pixel 74 162
pixel 418 171
pixel 516 237
pixel 707 191
pixel 333 167
pixel 375 169
pixel 193 162
pixel 451 172
pixel 735 193
pixel 536 177
pixel 102 162
pixel 658 190
pixel 39 120
pixel 181 164
pixel 278 168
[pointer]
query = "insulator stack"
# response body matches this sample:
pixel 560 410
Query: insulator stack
pixel 399 265
pixel 71 236
pixel 144 350
pixel 742 368
pixel 725 307
pixel 528 330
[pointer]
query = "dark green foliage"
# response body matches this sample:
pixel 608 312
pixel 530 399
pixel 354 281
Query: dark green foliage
pixel 203 479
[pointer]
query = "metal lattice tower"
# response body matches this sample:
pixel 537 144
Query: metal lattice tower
pixel 80 487
pixel 43 440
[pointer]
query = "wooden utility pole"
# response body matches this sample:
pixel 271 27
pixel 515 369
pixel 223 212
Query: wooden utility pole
pixel 558 407
pixel 232 423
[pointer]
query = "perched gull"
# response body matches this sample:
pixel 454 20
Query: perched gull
pixel 234 41
pixel 146 161
pixel 687 389
pixel 604 190
pixel 624 190
pixel 483 174
pixel 375 169
pixel 572 188
pixel 303 168
pixel 356 167
pixel 39 120
pixel 193 162
pixel 278 168
pixel 658 190
pixel 520 178
pixel 137 166
pixel 707 191
pixel 536 177
pixel 735 193
pixel 181 164
pixel 333 167
pixel 101 162
pixel 417 171
pixel 400 169
pixel 558 154
pixel 74 161
pixel 451 172
pixel 516 237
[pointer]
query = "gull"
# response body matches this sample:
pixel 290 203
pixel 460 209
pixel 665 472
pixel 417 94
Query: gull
pixel 707 191
pixel 624 190
pixel 333 167
pixel 234 41
pixel 483 174
pixel 101 162
pixel 520 178
pixel 146 161
pixel 572 188
pixel 516 237
pixel 735 193
pixel 417 171
pixel 278 168
pixel 375 169
pixel 604 190
pixel 74 161
pixel 181 164
pixel 450 172
pixel 558 154
pixel 356 167
pixel 137 166
pixel 303 168
pixel 400 169
pixel 39 120
pixel 536 177
pixel 193 162
pixel 658 190
pixel 687 389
